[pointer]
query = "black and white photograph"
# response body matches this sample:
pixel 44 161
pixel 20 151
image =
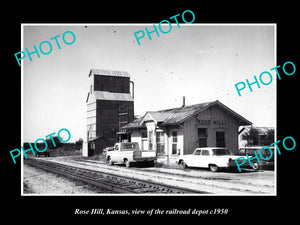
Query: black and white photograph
pixel 160 117
pixel 140 112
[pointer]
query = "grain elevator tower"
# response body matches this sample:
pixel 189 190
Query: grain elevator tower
pixel 110 106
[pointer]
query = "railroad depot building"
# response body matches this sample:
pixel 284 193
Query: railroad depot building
pixel 180 130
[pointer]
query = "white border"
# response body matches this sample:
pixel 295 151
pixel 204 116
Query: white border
pixel 146 24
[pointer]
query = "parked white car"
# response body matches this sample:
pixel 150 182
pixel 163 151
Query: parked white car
pixel 213 158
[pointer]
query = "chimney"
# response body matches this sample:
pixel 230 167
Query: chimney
pixel 183 101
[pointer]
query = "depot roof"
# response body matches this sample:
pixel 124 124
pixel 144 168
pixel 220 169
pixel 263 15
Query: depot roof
pixel 177 116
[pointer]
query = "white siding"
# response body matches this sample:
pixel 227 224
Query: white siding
pixel 91 120
pixel 91 106
pixel 91 113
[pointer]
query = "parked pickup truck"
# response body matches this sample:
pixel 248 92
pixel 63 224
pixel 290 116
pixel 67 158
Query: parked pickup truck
pixel 129 152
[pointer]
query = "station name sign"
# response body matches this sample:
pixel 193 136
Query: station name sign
pixel 211 122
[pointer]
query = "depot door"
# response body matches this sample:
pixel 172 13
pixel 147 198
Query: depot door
pixel 145 143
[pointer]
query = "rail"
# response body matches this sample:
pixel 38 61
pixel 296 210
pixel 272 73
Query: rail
pixel 111 182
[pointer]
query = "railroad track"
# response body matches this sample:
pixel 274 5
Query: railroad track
pixel 112 182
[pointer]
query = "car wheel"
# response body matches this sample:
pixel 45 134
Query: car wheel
pixel 127 163
pixel 213 167
pixel 110 162
pixel 255 165
pixel 151 163
pixel 182 164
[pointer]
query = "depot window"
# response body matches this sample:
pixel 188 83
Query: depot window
pixel 144 134
pixel 174 142
pixel 92 145
pixel 202 137
pixel 150 138
pixel 160 143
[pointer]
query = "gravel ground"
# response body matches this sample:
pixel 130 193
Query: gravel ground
pixel 37 181
pixel 220 183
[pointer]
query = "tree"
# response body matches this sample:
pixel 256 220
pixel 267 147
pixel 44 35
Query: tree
pixel 258 136
pixel 56 140
pixel 251 136
pixel 268 138
pixel 78 144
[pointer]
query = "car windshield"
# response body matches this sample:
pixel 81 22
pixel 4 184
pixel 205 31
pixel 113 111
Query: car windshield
pixel 220 151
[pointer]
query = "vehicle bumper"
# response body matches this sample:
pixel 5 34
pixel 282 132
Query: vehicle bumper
pixel 144 159
pixel 233 165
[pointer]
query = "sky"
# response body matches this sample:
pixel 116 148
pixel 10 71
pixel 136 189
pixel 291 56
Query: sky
pixel 200 61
